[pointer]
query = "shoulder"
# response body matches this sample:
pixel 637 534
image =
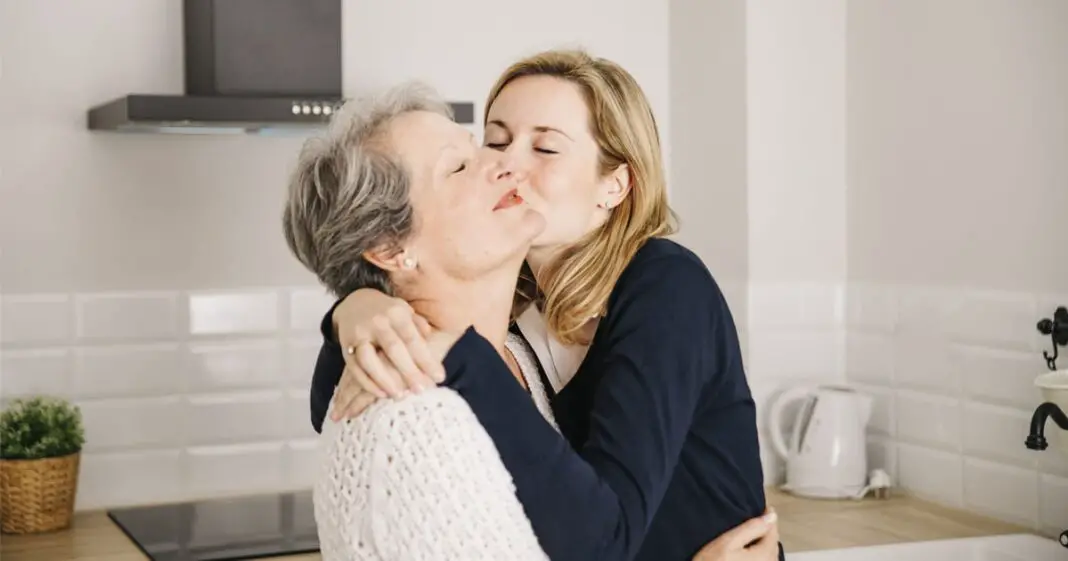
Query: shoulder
pixel 662 268
pixel 397 422
pixel 435 404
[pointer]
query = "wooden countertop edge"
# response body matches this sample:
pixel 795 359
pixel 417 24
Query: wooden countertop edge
pixel 805 525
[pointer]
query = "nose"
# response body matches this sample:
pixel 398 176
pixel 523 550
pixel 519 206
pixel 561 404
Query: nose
pixel 500 165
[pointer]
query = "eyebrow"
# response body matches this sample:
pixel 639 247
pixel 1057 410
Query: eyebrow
pixel 541 128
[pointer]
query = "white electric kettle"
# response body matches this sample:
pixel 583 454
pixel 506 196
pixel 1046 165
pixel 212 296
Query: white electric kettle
pixel 826 454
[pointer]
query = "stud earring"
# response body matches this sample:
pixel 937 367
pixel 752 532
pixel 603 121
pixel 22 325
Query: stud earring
pixel 408 263
pixel 607 205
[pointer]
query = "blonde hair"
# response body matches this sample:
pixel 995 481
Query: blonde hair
pixel 577 284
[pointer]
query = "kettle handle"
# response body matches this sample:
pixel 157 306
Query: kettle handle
pixel 778 441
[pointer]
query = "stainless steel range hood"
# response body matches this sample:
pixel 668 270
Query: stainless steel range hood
pixel 251 67
pixel 225 115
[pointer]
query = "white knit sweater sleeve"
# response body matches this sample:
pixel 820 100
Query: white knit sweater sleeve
pixel 434 485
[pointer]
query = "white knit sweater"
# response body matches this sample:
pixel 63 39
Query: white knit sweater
pixel 418 479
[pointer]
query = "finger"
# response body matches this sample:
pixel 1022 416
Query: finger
pixel 343 394
pixel 362 401
pixel 368 385
pixel 384 376
pixel 749 531
pixel 423 325
pixel 766 549
pixel 418 349
pixel 388 333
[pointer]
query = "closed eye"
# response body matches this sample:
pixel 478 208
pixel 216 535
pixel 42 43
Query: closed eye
pixel 462 167
pixel 501 146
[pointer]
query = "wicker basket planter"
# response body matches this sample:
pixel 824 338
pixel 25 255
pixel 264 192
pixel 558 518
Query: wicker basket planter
pixel 38 495
pixel 41 441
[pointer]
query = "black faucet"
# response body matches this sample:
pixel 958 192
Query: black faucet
pixel 1057 328
pixel 1036 440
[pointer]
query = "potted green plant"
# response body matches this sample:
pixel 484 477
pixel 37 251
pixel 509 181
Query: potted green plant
pixel 41 441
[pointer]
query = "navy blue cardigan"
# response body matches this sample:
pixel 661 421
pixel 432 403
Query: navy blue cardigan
pixel 661 453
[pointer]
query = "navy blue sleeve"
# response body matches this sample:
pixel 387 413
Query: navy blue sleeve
pixel 328 369
pixel 597 503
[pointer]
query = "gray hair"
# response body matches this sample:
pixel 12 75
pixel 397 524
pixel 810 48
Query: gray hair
pixel 349 193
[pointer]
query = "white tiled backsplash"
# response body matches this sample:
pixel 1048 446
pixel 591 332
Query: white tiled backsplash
pixel 184 395
pixel 953 374
pixel 206 393
pixel 951 371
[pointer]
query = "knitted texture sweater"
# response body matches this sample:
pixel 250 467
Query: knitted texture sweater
pixel 419 479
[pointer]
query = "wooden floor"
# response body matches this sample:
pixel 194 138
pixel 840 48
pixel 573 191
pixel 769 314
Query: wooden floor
pixel 805 524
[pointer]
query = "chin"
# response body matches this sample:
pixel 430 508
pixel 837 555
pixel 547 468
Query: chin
pixel 533 222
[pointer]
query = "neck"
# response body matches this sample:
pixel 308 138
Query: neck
pixel 539 258
pixel 454 305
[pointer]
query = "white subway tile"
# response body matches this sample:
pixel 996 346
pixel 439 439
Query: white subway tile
pixel 303 461
pixel 1053 460
pixel 777 305
pixel 297 423
pixel 236 469
pixel 882 410
pixel 932 474
pixel 234 365
pixel 130 478
pixel 924 310
pixel 134 315
pixel 998 433
pixel 301 356
pixel 233 418
pixel 1008 493
pixel 233 312
pixel 995 319
pixel 882 454
pixel 35 318
pixel 1053 513
pixel 999 376
pixel 133 423
pixel 923 362
pixel 870 358
pixel 871 307
pixel 307 308
pixel 128 371
pixel 928 419
pixel 34 372
pixel 797 354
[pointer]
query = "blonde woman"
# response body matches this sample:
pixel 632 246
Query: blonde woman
pixel 635 340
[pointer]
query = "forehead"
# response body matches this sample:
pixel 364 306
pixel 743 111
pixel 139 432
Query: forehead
pixel 540 101
pixel 419 137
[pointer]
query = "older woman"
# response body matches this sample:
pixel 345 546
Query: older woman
pixel 399 197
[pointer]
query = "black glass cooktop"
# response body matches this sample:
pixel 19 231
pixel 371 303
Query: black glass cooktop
pixel 222 529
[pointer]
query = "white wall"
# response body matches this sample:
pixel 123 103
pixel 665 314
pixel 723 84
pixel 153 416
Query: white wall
pixel 958 198
pixel 795 74
pixel 146 276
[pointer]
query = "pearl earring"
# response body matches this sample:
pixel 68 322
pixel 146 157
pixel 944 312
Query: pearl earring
pixel 408 263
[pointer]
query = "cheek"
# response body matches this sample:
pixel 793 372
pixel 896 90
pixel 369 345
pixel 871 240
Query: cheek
pixel 562 187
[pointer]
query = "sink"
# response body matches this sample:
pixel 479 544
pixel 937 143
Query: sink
pixel 1054 388
pixel 1013 547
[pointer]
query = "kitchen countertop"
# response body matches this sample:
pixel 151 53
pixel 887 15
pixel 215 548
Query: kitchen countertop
pixel 805 525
